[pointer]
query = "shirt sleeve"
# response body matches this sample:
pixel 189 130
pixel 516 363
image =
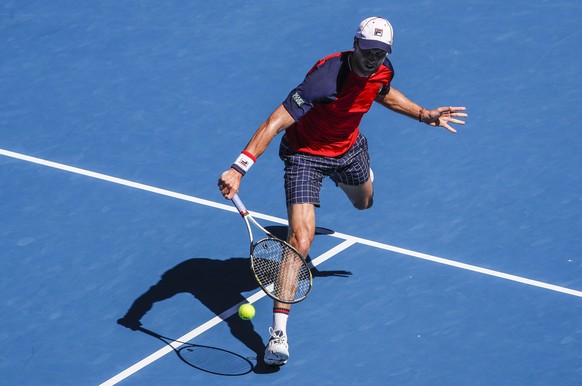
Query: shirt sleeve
pixel 319 86
pixel 386 88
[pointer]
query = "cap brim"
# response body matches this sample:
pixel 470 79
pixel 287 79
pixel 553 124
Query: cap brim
pixel 374 44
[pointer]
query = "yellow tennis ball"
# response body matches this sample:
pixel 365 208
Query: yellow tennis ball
pixel 246 311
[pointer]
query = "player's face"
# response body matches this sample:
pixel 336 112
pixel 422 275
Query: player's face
pixel 367 62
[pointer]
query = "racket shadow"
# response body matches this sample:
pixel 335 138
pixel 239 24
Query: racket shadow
pixel 212 360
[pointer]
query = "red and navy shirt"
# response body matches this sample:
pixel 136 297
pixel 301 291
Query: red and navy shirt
pixel 329 104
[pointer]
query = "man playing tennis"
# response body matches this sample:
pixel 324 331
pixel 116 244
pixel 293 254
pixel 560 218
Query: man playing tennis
pixel 321 119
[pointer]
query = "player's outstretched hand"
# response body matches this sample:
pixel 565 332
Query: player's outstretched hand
pixel 442 116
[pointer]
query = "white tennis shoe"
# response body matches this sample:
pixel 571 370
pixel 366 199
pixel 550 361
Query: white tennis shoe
pixel 277 350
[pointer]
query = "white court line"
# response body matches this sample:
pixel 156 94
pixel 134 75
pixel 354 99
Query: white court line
pixel 468 267
pixel 116 180
pixel 349 241
pixel 277 220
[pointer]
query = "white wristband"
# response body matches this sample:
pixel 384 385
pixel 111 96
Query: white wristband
pixel 244 162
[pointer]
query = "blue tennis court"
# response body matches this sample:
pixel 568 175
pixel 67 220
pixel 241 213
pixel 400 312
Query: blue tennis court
pixel 118 118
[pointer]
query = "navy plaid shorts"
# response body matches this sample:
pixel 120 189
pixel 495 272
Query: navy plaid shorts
pixel 304 173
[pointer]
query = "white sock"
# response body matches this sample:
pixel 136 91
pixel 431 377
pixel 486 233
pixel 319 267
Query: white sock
pixel 280 317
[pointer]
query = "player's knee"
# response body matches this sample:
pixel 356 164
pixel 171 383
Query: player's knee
pixel 303 245
pixel 364 204
pixel 301 241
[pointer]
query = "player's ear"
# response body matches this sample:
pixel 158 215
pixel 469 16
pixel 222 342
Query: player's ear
pixel 355 42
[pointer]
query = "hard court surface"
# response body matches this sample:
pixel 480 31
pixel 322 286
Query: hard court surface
pixel 118 117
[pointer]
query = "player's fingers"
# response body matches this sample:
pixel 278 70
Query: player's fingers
pixel 457 121
pixel 452 111
pixel 224 188
pixel 449 128
pixel 444 110
pixel 222 185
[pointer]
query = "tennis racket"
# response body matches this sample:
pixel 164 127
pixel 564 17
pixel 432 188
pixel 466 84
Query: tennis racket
pixel 209 359
pixel 280 270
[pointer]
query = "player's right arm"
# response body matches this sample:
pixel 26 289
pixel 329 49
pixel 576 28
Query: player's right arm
pixel 279 120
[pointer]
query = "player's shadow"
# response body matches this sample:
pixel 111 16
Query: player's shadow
pixel 218 284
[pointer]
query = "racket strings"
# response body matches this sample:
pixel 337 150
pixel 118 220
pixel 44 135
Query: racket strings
pixel 280 270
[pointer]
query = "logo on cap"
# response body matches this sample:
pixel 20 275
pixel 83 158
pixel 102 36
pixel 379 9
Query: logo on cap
pixel 378 32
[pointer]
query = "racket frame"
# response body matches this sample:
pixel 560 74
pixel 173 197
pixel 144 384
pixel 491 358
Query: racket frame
pixel 250 219
pixel 178 346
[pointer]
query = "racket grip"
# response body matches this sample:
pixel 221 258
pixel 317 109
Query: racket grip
pixel 239 204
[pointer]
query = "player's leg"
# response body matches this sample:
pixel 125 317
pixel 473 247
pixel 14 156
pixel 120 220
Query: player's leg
pixel 301 234
pixel 362 197
pixel 301 227
pixel 355 176
pixel 303 181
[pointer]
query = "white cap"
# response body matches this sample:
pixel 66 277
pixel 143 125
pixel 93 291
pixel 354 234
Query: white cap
pixel 375 33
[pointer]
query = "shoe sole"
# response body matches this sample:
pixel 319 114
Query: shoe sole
pixel 275 363
pixel 280 361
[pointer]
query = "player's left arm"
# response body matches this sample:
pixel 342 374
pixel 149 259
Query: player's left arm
pixel 440 116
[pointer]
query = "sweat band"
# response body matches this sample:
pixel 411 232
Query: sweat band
pixel 244 162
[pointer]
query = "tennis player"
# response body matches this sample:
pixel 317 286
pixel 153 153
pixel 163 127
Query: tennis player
pixel 321 119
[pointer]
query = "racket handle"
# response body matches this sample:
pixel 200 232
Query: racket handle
pixel 239 204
